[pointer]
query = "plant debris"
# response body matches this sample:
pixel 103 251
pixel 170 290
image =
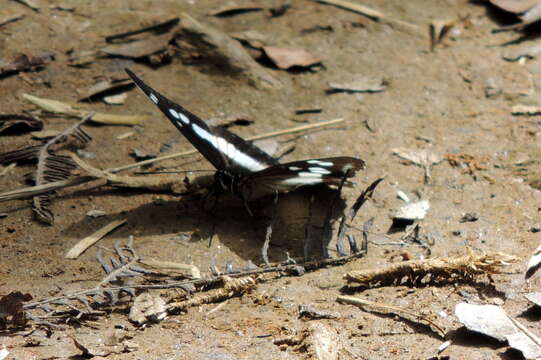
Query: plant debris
pixel 24 62
pixel 435 270
pixel 16 123
pixel 11 310
pixel 413 211
pixel 141 48
pixel 160 26
pixel 287 58
pixel 147 308
pixel 422 158
pixel 59 107
pixel 530 11
pixel 400 311
pixel 90 240
pixel 7 19
pixel 53 167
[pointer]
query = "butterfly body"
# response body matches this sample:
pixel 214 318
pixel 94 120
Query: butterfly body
pixel 242 168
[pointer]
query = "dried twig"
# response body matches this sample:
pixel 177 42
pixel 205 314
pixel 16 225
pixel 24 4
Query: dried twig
pixel 386 308
pixel 35 190
pixel 90 240
pixel 437 269
pixel 231 288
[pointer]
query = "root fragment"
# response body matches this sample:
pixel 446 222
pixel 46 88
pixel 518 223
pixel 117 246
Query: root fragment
pixel 439 269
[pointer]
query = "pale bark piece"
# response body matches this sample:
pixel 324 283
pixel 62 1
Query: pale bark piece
pixel 534 297
pixel 193 270
pixel 147 308
pixel 324 341
pixel 418 157
pixel 514 6
pixel 286 58
pixel 523 343
pixel 141 48
pixel 88 241
pixel 489 320
pixel 367 84
pixel 118 99
pixel 105 86
pixel 534 263
pixel 529 110
pixel 413 211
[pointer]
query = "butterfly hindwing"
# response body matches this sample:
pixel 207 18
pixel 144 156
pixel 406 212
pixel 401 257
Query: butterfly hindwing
pixel 225 150
pixel 289 176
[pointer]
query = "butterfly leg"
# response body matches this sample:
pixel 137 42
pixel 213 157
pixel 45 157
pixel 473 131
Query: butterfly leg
pixel 327 226
pixel 308 229
pixel 211 211
pixel 268 235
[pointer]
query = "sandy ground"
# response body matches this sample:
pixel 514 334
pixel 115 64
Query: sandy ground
pixel 454 100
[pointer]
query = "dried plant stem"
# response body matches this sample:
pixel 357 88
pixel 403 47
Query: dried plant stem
pixel 439 269
pixel 391 308
pixel 36 190
pixel 232 287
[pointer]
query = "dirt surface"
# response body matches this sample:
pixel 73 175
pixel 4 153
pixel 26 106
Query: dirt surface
pixel 453 100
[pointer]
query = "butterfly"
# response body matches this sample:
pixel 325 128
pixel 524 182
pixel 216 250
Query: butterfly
pixel 242 168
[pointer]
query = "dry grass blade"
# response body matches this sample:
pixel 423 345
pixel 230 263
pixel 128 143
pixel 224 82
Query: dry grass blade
pixel 59 107
pixel 437 269
pixel 386 308
pixel 53 167
pixel 90 240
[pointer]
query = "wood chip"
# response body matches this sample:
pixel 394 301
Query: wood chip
pixel 88 241
pixel 170 265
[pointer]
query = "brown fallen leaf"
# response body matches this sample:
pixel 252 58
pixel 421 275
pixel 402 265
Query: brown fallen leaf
pixel 286 58
pixel 24 62
pixel 19 123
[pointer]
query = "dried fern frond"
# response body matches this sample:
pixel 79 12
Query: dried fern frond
pixel 52 167
pixel 25 154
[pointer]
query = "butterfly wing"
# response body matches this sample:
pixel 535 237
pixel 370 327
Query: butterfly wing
pixel 289 176
pixel 224 150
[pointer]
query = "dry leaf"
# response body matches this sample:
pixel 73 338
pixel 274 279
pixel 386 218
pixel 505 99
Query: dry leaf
pixel 19 123
pixel 422 158
pixel 90 240
pixel 141 48
pixel 514 6
pixel 286 58
pixel 106 86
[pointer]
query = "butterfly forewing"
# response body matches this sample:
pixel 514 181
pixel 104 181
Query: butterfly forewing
pixel 225 150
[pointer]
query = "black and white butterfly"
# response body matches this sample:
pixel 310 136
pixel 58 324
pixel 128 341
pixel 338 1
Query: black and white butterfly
pixel 243 168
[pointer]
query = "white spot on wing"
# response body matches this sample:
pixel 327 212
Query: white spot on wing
pixel 153 98
pixel 320 163
pixel 294 168
pixel 228 150
pixel 174 113
pixel 318 170
pixel 184 119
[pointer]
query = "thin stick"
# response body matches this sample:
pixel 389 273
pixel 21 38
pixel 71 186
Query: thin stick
pixel 362 302
pixel 35 190
pixel 252 138
pixel 371 13
pixel 90 240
